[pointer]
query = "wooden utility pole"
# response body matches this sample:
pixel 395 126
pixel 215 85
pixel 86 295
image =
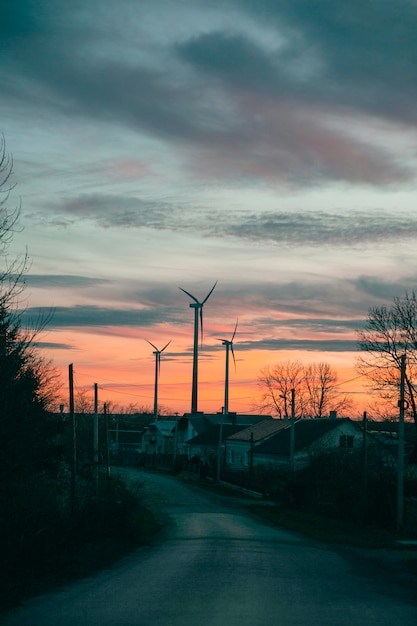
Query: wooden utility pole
pixel 106 421
pixel 292 433
pixel 365 466
pixel 96 436
pixel 400 475
pixel 219 450
pixel 73 438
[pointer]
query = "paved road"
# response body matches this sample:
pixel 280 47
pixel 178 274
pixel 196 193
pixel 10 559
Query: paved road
pixel 218 566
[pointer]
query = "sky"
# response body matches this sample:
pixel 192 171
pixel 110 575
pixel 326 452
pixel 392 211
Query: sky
pixel 268 145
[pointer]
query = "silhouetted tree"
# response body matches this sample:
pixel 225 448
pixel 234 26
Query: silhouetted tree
pixel 389 333
pixel 315 386
pixel 27 382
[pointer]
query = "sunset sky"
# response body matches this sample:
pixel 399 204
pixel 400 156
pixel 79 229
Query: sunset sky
pixel 269 145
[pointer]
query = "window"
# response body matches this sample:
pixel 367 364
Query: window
pixel 346 441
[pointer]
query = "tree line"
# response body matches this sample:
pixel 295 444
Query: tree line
pixel 45 538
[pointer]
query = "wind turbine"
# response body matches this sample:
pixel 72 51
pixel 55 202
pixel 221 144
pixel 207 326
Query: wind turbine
pixel 157 354
pixel 229 348
pixel 198 313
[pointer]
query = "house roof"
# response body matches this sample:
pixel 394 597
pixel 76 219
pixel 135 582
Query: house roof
pixel 390 428
pixel 306 431
pixel 210 437
pixel 200 423
pixel 230 418
pixel 260 431
pixel 125 436
pixel 165 427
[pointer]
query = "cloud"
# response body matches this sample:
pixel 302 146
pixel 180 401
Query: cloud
pixel 51 345
pixel 319 345
pixel 298 227
pixel 52 281
pixel 385 290
pixel 366 50
pixel 324 228
pixel 95 316
pixel 233 105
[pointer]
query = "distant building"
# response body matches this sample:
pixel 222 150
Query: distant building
pixel 270 444
pixel 190 425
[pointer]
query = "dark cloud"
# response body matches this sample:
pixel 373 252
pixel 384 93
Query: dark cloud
pixel 50 345
pixel 285 227
pixel 94 316
pixel 383 289
pixel 325 325
pixel 233 57
pixel 52 281
pixel 321 227
pixel 243 110
pixel 367 49
pixel 317 345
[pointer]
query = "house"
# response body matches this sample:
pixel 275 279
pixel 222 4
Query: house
pixel 123 439
pixel 158 437
pixel 192 424
pixel 310 436
pixel 240 445
pixel 206 444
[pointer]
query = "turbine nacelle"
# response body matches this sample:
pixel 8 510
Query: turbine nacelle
pixel 229 343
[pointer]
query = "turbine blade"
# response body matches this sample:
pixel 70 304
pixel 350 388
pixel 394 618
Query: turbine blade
pixel 233 355
pixel 190 294
pixel 201 324
pixel 209 293
pixel 234 332
pixel 158 358
pixel 166 346
pixel 151 344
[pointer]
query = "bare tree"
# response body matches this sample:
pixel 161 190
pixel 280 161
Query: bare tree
pixel 389 333
pixel 315 387
pixel 8 217
pixel 276 382
pixel 320 388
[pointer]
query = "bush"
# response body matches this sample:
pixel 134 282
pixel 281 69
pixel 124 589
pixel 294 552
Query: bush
pixel 44 545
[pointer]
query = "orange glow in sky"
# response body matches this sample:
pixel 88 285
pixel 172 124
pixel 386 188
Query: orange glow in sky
pixel 124 369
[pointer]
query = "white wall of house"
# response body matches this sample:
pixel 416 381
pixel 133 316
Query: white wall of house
pixel 153 441
pixel 344 436
pixel 237 454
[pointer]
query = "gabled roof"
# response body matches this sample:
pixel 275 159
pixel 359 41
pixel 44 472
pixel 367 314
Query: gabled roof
pixel 230 418
pixel 200 423
pixel 306 431
pixel 211 436
pixel 165 427
pixel 260 431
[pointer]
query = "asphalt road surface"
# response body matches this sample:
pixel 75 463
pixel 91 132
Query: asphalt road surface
pixel 219 566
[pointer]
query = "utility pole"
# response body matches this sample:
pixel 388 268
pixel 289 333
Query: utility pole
pixel 106 421
pixel 96 435
pixel 219 449
pixel 365 466
pixel 73 438
pixel 400 475
pixel 292 433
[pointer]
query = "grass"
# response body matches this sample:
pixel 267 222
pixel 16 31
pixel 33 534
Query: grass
pixel 95 537
pixel 326 529
pixel 321 528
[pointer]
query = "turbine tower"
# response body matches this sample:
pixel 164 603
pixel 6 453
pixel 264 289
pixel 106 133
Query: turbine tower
pixel 157 354
pixel 229 347
pixel 198 313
